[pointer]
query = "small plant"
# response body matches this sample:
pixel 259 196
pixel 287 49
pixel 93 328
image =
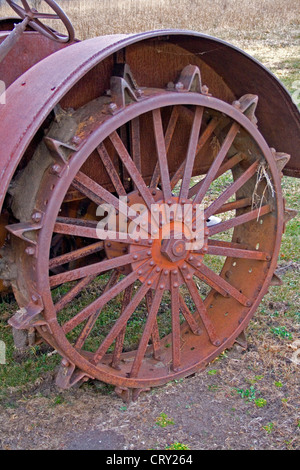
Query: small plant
pixel 163 421
pixel 282 332
pixel 269 427
pixel 278 384
pixel 177 446
pixel 213 388
pixel 212 372
pixel 59 400
pixel 248 394
pixel 256 379
pixel 260 402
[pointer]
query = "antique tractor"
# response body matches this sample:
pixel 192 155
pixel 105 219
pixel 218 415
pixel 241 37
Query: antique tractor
pixel 157 119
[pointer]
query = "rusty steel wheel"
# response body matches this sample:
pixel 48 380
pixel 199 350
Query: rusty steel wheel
pixel 133 312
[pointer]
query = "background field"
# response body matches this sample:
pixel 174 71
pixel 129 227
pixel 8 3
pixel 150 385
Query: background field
pixel 216 408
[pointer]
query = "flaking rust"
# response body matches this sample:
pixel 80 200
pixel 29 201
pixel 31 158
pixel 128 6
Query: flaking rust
pixel 118 125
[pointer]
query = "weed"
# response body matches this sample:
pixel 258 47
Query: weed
pixel 248 394
pixel 269 427
pixel 58 400
pixel 213 388
pixel 177 446
pixel 260 402
pixel 282 332
pixel 163 421
pixel 278 384
pixel 212 372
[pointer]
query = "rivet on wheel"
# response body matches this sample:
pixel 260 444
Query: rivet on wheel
pixel 30 251
pixel 56 169
pixel 36 217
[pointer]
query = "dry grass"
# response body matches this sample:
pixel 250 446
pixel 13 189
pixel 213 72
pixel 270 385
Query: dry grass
pixel 220 17
pixel 267 29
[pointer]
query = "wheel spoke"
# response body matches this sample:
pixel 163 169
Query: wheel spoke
pixel 46 29
pixel 121 337
pixel 150 323
pixel 168 139
pixel 82 337
pixel 88 229
pixel 214 242
pixel 191 153
pixel 176 360
pixel 155 333
pixel 162 154
pixel 136 145
pixel 223 168
pixel 201 309
pixel 219 284
pixel 46 16
pixel 231 190
pixel 188 316
pixel 97 268
pixel 231 206
pixel 99 303
pixel 111 170
pixel 75 255
pixel 132 169
pixel 215 166
pixel 70 296
pixel 97 194
pixel 234 252
pixel 123 319
pixel 239 220
pixel 202 141
pixel 26 6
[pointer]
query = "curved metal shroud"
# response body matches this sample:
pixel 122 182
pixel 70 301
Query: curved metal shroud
pixel 153 56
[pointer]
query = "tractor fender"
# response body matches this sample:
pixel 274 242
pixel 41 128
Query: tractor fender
pixel 31 98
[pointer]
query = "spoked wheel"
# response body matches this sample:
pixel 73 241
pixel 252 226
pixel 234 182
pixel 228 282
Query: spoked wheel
pixel 152 302
pixel 36 17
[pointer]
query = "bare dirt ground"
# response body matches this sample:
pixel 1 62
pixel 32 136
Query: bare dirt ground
pixel 210 410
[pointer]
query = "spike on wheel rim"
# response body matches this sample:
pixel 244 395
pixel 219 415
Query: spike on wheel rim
pixel 144 273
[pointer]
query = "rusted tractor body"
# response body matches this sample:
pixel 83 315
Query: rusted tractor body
pixel 158 118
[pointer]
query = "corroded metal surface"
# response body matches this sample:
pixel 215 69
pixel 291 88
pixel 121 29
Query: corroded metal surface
pixel 158 118
pixel 154 270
